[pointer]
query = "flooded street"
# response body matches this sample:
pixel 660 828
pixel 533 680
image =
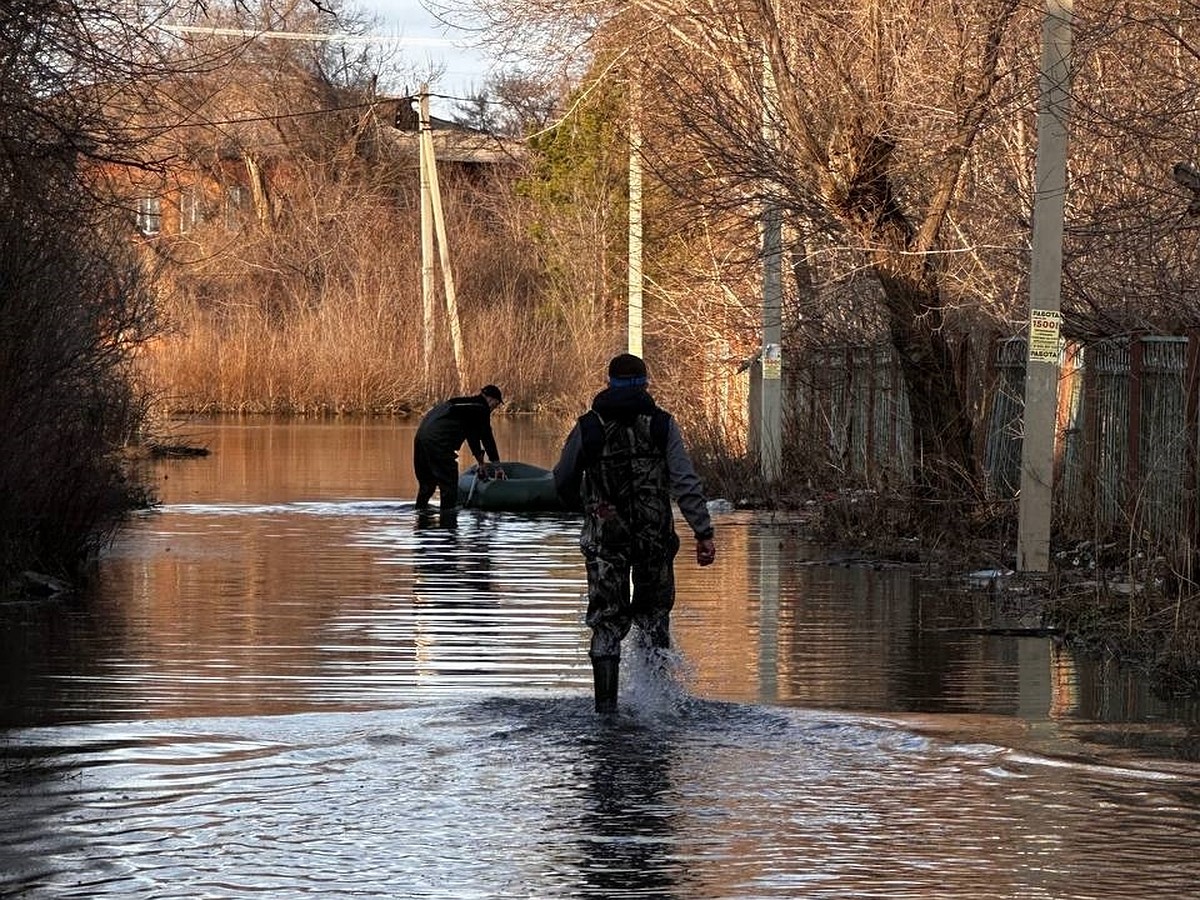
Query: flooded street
pixel 285 685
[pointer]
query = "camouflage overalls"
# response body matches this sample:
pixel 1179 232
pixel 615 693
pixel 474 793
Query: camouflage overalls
pixel 628 529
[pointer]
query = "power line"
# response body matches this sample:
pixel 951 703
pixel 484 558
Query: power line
pixel 306 113
pixel 299 114
pixel 340 37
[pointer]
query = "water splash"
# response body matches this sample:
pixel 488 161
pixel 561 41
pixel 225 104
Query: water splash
pixel 654 680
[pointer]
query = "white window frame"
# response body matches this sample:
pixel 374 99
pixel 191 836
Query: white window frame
pixel 149 215
pixel 234 207
pixel 190 213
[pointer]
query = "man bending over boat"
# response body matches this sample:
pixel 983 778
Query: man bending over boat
pixel 439 437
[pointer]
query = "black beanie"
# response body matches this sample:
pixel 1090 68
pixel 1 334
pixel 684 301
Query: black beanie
pixel 490 390
pixel 626 365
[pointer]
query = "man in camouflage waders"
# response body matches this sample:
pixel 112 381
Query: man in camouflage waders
pixel 622 463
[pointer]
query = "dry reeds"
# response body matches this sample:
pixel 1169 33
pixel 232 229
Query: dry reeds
pixel 348 335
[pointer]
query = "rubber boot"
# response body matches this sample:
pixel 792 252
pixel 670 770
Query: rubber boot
pixel 659 635
pixel 448 506
pixel 605 673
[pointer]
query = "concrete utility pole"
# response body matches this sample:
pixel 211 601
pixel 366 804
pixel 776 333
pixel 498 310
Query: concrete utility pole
pixel 770 449
pixel 1045 287
pixel 770 430
pixel 635 216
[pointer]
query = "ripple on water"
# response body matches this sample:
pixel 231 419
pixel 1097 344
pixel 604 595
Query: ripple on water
pixel 532 794
pixel 481 770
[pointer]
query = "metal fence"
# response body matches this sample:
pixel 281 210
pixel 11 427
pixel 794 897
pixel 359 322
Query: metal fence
pixel 1127 429
pixel 848 408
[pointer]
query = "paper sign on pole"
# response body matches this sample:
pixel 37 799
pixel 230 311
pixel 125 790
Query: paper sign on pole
pixel 772 360
pixel 1044 327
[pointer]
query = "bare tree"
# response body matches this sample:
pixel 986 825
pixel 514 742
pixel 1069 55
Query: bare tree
pixel 73 307
pixel 1132 262
pixel 512 104
pixel 858 120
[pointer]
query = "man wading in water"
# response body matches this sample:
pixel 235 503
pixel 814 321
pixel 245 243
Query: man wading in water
pixel 623 462
pixel 440 434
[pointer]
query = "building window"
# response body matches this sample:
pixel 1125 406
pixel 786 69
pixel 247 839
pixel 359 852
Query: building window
pixel 234 207
pixel 190 214
pixel 149 215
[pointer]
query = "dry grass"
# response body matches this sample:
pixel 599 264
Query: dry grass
pixel 338 358
pixel 1137 623
pixel 286 321
pixel 248 364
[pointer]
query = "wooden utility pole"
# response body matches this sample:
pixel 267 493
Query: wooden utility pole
pixel 427 299
pixel 429 171
pixel 635 217
pixel 1045 289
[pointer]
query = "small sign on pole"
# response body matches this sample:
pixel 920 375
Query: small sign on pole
pixel 1044 328
pixel 772 360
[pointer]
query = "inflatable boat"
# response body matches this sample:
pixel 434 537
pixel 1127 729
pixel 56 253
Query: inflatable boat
pixel 521 488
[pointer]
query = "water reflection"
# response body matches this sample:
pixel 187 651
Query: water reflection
pixel 279 566
pixel 533 796
pixel 455 597
pixel 454 564
pixel 296 686
pixel 626 829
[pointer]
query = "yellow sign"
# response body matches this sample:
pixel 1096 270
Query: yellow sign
pixel 772 361
pixel 1044 326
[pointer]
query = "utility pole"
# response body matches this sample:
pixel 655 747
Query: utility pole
pixel 1045 289
pixel 427 299
pixel 635 216
pixel 770 450
pixel 770 430
pixel 429 168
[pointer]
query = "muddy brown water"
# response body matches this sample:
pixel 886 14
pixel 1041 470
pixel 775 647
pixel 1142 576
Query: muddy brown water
pixel 286 685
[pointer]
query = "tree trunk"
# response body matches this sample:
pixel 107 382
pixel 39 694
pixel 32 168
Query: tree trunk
pixel 945 467
pixel 944 463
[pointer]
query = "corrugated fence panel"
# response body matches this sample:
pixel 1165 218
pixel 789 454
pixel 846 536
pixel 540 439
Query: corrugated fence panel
pixel 838 413
pixel 892 423
pixel 1109 365
pixel 1162 450
pixel 849 407
pixel 858 413
pixel 1003 434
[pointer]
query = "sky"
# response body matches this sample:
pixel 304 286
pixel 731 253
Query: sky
pixel 422 40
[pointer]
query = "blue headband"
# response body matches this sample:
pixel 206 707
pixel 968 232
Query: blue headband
pixel 631 381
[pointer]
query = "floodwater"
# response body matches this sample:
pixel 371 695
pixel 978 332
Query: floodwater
pixel 284 685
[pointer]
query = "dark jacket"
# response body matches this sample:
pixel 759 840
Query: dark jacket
pixel 445 427
pixel 628 455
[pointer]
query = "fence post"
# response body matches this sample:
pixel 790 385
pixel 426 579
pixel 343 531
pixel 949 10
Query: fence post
pixel 1133 473
pixel 1191 412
